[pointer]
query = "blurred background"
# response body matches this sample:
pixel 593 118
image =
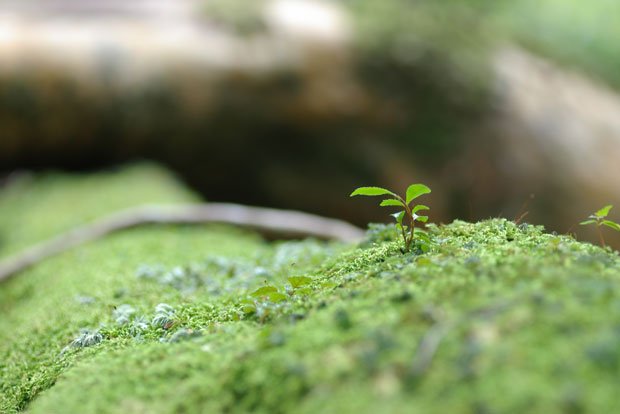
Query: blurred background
pixel 506 108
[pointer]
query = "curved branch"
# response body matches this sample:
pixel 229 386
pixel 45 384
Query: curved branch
pixel 267 221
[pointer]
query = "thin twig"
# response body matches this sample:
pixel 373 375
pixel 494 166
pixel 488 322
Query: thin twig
pixel 267 221
pixel 523 210
pixel 521 217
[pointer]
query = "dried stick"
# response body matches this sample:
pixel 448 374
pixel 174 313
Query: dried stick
pixel 267 221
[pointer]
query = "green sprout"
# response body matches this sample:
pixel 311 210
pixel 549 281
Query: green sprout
pixel 405 219
pixel 600 219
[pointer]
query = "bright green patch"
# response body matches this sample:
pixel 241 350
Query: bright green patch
pixel 493 310
pixel 495 317
pixel 36 207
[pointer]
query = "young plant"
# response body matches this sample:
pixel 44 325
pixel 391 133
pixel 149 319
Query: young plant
pixel 600 219
pixel 405 219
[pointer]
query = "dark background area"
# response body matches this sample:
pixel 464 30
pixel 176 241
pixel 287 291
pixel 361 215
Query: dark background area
pixel 501 107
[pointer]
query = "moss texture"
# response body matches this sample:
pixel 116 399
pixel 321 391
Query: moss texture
pixel 37 207
pixel 497 318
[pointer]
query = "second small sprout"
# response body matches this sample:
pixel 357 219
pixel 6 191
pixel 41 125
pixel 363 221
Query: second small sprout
pixel 600 219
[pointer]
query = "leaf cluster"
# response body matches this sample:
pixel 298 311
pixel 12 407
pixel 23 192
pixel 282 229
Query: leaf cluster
pixel 408 216
pixel 599 218
pixel 264 300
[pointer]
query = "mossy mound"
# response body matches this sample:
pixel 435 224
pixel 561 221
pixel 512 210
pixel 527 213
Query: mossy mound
pixel 37 207
pixel 497 317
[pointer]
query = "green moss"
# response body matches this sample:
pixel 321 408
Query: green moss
pixel 520 314
pixel 36 207
pixel 496 318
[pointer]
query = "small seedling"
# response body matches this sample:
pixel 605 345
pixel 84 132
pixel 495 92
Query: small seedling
pixel 269 293
pixel 600 219
pixel 405 219
pixel 263 301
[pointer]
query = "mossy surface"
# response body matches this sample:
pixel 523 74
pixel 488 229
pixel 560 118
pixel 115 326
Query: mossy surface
pixel 496 318
pixel 36 207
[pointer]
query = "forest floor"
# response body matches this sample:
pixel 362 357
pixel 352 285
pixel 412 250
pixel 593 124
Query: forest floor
pixel 496 318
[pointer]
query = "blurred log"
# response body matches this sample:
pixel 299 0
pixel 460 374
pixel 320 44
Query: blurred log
pixel 297 103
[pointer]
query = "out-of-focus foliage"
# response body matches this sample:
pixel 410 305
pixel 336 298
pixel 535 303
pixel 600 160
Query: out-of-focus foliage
pixel 454 35
pixel 242 16
pixel 576 33
pixel 432 59
pixel 581 34
pixel 409 97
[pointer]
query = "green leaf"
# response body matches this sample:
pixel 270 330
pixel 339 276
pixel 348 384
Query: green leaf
pixel 391 202
pixel 424 247
pixel 611 224
pixel 423 237
pixel 399 217
pixel 419 207
pixel 303 291
pixel 604 211
pixel 421 219
pixel 583 223
pixel 371 191
pixel 299 281
pixel 248 309
pixel 264 291
pixel 276 297
pixel 416 190
pixel 329 285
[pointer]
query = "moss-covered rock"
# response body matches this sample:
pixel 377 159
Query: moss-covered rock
pixel 497 317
